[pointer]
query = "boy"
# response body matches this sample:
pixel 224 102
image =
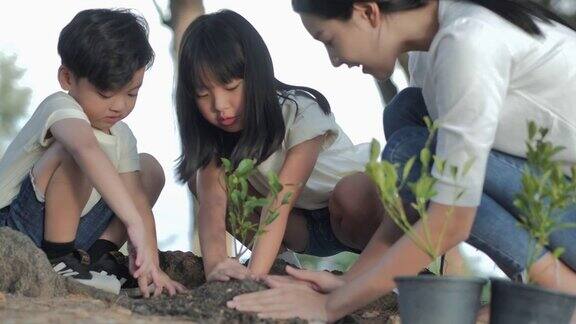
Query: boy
pixel 72 179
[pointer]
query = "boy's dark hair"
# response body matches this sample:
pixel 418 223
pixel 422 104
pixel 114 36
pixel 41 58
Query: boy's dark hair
pixel 106 46
pixel 225 46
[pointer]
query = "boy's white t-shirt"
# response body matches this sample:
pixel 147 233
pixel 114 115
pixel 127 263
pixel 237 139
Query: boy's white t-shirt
pixel 305 120
pixel 34 139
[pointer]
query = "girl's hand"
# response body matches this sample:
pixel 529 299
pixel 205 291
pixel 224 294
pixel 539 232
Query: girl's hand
pixel 227 269
pixel 284 302
pixel 321 281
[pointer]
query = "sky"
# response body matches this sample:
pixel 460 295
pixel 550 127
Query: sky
pixel 27 31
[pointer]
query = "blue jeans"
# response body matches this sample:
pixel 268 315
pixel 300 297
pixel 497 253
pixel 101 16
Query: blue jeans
pixel 26 214
pixel 496 229
pixel 321 239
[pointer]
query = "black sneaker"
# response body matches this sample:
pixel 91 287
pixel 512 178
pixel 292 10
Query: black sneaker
pixel 115 264
pixel 74 265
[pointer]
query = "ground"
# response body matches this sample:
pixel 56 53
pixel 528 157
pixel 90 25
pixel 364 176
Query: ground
pixel 30 292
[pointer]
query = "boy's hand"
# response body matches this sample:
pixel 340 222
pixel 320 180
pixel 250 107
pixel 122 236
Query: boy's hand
pixel 144 264
pixel 227 269
pixel 153 275
pixel 161 281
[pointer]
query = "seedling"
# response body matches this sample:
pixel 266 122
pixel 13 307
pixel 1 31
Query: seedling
pixel 241 205
pixel 390 183
pixel 545 192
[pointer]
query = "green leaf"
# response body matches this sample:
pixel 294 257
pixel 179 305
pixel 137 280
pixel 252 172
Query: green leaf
pixel 243 188
pixel 425 157
pixel 274 183
pixel 428 122
pixel 440 164
pixel 235 198
pixel 408 167
pixel 257 202
pixel 245 168
pixel 468 165
pixel 272 217
pixel 226 164
pixel 532 129
pixel 558 252
pixel 454 171
pixel 374 150
pixel 286 198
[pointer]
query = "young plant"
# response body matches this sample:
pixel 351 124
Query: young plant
pixel 545 192
pixel 241 205
pixel 389 183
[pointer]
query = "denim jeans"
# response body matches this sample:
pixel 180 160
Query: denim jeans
pixel 26 214
pixel 496 229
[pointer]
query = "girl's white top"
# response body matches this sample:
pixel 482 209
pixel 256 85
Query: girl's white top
pixel 483 79
pixel 305 120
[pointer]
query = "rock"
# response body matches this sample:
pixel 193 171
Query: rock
pixel 24 268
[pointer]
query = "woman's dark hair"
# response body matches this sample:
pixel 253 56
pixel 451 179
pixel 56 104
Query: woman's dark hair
pixel 106 46
pixel 225 46
pixel 521 13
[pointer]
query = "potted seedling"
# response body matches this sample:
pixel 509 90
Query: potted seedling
pixel 424 299
pixel 241 205
pixel 545 192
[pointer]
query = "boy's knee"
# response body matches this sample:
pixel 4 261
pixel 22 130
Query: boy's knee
pixel 152 170
pixel 66 159
pixel 54 158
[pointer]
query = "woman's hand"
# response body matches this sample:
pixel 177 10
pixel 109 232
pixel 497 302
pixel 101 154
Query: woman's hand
pixel 290 300
pixel 321 281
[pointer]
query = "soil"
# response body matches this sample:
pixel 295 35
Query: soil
pixel 64 301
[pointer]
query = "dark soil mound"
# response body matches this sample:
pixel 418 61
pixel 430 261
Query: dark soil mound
pixel 25 271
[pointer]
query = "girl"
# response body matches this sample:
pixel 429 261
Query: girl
pixel 230 105
pixel 482 69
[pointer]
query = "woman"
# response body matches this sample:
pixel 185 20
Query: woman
pixel 482 69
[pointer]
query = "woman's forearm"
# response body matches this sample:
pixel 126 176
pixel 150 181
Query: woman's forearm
pixel 404 258
pixel 370 256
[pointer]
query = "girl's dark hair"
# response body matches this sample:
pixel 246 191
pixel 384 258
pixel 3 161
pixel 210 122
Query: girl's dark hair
pixel 521 13
pixel 106 46
pixel 225 46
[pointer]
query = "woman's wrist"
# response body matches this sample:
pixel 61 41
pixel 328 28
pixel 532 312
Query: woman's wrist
pixel 331 307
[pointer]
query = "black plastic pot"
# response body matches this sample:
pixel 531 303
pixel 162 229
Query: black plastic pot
pixel 528 304
pixel 439 300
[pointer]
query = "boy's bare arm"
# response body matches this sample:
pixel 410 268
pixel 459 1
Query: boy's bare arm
pixel 77 137
pixel 134 185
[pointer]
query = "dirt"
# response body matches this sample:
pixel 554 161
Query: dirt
pixel 204 302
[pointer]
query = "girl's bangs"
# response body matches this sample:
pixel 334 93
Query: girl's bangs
pixel 216 60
